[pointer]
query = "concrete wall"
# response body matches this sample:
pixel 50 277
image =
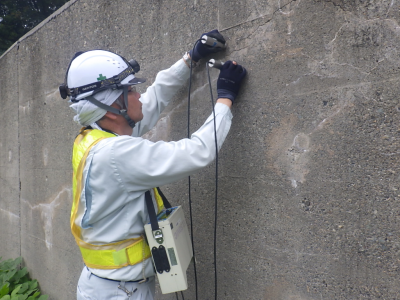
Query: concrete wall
pixel 309 174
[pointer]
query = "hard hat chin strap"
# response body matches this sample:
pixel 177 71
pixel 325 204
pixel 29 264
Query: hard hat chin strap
pixel 121 112
pixel 131 123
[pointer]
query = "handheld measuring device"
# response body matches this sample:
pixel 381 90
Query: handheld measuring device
pixel 171 249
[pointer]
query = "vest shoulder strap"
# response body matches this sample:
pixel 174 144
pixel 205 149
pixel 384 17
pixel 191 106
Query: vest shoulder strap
pixel 109 256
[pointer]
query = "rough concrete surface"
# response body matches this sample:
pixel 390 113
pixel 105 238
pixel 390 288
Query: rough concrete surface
pixel 9 158
pixel 308 176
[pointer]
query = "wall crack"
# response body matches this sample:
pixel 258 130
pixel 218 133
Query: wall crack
pixel 47 211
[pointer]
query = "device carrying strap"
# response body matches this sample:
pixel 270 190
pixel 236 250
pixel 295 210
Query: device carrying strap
pixel 159 254
pixel 151 210
pixel 164 199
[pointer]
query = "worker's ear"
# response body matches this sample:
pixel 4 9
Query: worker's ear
pixel 110 115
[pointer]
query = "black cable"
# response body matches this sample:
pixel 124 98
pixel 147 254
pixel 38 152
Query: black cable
pixel 189 186
pixel 216 181
pixel 176 294
pixel 216 185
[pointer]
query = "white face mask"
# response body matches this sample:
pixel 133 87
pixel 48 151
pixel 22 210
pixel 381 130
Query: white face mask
pixel 88 113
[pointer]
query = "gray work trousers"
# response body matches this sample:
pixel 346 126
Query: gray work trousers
pixel 91 287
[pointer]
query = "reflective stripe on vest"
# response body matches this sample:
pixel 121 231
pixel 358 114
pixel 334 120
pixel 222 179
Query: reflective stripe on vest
pixel 107 256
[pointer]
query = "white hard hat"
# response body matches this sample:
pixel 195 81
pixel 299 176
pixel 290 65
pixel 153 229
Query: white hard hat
pixel 96 70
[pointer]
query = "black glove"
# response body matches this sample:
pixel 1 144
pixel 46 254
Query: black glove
pixel 229 80
pixel 202 50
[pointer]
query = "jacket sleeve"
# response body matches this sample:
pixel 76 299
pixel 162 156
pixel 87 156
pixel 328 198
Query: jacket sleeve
pixel 158 95
pixel 142 164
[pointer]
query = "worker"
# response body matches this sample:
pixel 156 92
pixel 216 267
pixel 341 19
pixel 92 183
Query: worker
pixel 113 166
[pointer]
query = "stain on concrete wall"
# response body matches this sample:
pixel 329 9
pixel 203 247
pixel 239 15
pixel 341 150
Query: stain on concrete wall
pixel 308 176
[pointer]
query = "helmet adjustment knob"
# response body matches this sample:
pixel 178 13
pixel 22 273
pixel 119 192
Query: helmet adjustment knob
pixel 63 91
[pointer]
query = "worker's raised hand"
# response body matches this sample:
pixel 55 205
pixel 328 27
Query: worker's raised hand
pixel 230 79
pixel 203 49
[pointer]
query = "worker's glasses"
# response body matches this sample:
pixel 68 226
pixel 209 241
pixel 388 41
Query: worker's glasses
pixel 120 100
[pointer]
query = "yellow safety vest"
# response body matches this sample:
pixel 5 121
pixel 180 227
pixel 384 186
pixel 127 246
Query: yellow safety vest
pixel 107 256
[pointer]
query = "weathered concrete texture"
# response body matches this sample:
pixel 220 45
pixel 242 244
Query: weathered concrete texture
pixel 308 176
pixel 9 157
